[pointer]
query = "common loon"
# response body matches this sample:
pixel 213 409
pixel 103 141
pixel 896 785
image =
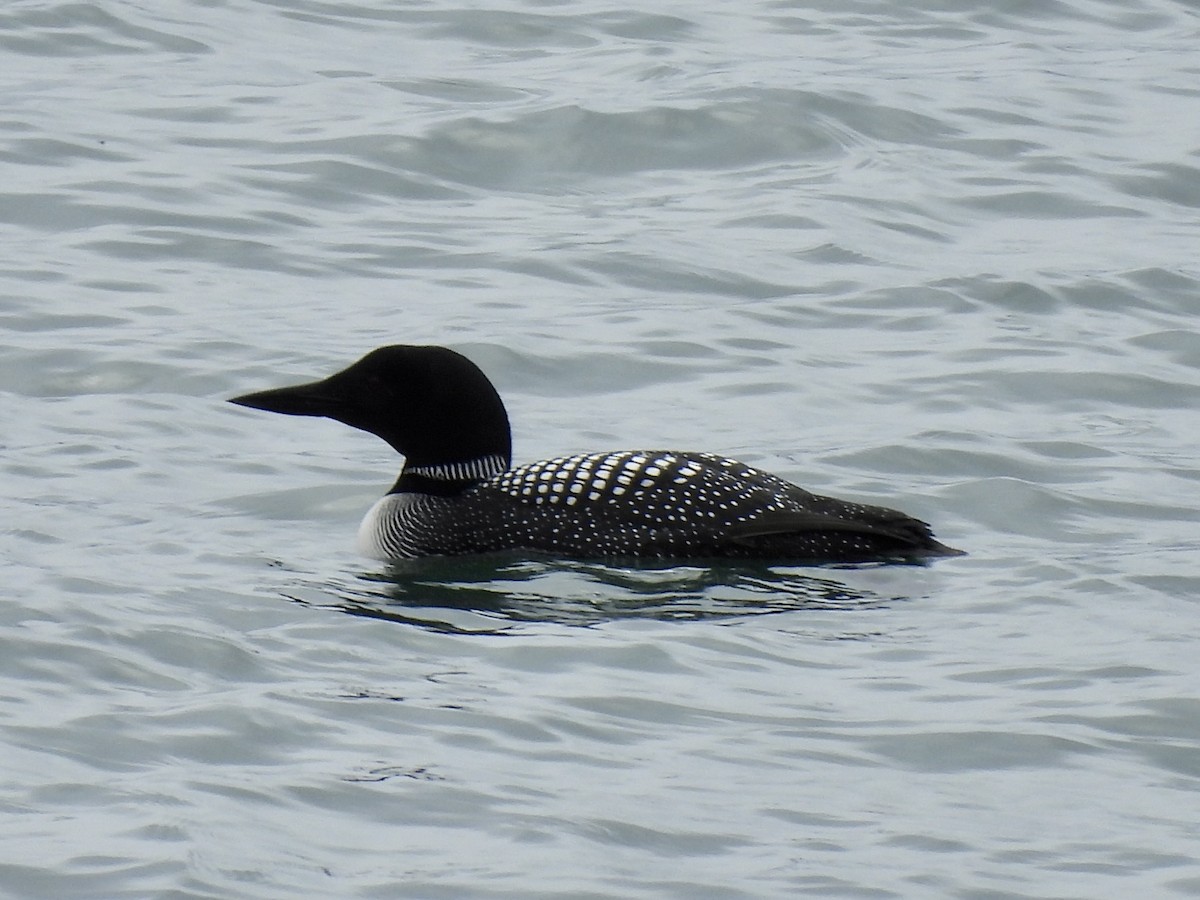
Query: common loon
pixel 457 493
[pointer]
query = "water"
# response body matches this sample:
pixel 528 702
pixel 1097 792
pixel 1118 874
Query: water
pixel 939 256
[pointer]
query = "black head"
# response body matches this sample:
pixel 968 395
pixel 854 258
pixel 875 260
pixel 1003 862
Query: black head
pixel 430 403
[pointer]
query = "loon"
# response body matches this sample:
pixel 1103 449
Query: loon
pixel 459 494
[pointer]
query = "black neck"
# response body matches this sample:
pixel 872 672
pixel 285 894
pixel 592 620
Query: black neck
pixel 411 483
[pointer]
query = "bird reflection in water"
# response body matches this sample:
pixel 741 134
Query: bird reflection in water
pixel 494 594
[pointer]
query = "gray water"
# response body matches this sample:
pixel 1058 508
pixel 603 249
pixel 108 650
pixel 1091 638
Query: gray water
pixel 936 255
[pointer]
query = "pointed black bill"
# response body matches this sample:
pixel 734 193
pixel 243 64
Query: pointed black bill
pixel 314 399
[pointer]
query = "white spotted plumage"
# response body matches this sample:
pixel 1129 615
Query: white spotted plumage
pixel 625 503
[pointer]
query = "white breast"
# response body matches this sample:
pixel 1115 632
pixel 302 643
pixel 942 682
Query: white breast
pixel 381 533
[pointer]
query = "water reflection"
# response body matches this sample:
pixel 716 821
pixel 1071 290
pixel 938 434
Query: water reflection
pixel 471 595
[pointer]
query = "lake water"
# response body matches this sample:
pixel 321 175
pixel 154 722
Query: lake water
pixel 940 255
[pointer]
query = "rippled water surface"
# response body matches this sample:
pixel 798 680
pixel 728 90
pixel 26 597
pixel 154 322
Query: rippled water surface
pixel 937 255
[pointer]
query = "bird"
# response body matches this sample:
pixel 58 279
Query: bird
pixel 458 492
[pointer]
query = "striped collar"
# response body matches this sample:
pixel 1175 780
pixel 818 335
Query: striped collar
pixel 466 470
